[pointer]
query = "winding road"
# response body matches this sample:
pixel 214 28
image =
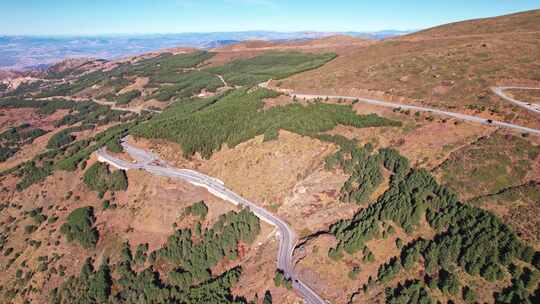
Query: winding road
pixel 527 105
pixel 144 160
pixel 460 116
pixel 151 163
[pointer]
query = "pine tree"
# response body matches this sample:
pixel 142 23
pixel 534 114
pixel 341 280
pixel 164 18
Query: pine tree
pixel 267 297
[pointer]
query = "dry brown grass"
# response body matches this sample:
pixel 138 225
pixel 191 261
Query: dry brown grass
pixel 260 171
pixel 532 96
pixel 452 72
pixel 491 164
pixel 447 67
pixel 138 84
pixel 517 23
pixel 249 49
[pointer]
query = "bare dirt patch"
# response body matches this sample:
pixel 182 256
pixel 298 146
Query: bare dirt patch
pixel 260 171
pixel 266 171
pixel 138 84
pixel 315 200
pixel 424 139
pixel 14 117
pixel 281 100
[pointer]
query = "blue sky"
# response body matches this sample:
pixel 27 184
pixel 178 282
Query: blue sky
pixel 89 17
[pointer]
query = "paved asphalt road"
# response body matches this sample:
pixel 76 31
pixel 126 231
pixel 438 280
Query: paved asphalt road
pixel 151 163
pixel 527 105
pixel 424 109
pixel 489 122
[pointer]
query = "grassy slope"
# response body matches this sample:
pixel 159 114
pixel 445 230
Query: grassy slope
pixel 489 165
pixel 519 22
pixel 444 66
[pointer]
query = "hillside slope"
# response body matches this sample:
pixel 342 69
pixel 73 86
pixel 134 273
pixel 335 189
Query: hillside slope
pixel 450 66
pixel 522 22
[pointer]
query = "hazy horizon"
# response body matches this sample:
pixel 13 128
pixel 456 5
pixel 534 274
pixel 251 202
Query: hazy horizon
pixel 23 52
pixel 203 33
pixel 143 17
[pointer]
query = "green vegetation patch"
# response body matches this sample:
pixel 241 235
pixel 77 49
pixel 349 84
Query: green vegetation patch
pixel 79 227
pixel 85 112
pixel 127 97
pixel 99 178
pixel 26 88
pixel 37 215
pixel 68 157
pixel 270 65
pixel 81 150
pixel 523 205
pixel 177 76
pixel 190 258
pixel 220 241
pixel 187 85
pixel 32 173
pixel 95 286
pixel 280 279
pixel 85 81
pixel 467 237
pixel 65 137
pixel 203 126
pixel 14 138
pixel 198 209
pixel 410 292
pixel 166 67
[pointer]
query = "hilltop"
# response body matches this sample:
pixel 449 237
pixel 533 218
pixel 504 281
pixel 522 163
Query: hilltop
pixel 518 23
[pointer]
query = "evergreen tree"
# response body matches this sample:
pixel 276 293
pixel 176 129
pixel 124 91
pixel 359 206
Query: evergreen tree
pixel 267 297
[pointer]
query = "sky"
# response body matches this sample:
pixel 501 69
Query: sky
pixel 96 17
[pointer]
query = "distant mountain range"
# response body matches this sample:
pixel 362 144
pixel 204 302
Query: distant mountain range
pixel 24 52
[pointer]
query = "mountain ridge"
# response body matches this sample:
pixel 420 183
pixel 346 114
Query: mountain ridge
pixel 27 52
